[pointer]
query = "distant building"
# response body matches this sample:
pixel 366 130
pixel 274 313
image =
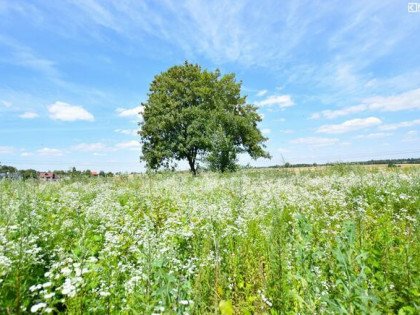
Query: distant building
pixel 94 173
pixel 14 175
pixel 48 176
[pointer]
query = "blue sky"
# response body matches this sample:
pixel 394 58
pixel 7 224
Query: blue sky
pixel 334 80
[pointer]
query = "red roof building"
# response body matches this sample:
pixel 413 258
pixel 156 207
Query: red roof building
pixel 48 176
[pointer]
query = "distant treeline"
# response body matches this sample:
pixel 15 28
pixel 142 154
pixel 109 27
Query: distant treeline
pixel 31 173
pixel 370 162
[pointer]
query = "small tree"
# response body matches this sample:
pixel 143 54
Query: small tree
pixel 192 114
pixel 29 173
pixel 6 168
pixel 222 156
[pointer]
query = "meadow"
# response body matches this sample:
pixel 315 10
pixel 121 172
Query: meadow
pixel 342 240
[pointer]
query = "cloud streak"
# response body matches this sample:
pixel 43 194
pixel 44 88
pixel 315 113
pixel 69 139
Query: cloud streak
pixel 279 101
pixel 29 115
pixel 129 145
pixel 350 125
pixel 262 93
pixel 409 100
pixel 199 27
pixel 49 152
pixel 331 114
pixel 131 132
pixel 7 104
pixel 7 150
pixel 130 112
pixel 403 124
pixel 315 141
pixel 377 135
pixel 406 101
pixel 24 56
pixel 88 146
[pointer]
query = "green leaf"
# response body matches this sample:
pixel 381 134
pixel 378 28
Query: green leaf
pixel 226 307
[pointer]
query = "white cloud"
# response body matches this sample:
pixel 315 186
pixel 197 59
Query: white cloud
pixel 405 101
pixel 99 148
pixel 403 124
pixel 88 146
pixel 6 150
pixel 331 114
pixel 273 29
pixel 281 101
pixel 128 145
pixel 315 141
pixel 288 131
pixel 266 131
pixel 26 154
pixel 411 136
pixel 377 135
pixel 350 125
pixel 29 115
pixel 345 144
pixel 6 103
pixel 49 152
pixel 283 150
pixel 371 83
pixel 128 112
pixel 24 56
pixel 132 132
pixel 315 116
pixel 262 93
pixel 67 112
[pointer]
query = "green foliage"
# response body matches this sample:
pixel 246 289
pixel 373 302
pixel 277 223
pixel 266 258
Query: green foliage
pixel 193 113
pixel 7 168
pixel 223 155
pixel 225 307
pixel 29 173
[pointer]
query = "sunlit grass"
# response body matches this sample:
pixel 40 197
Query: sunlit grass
pixel 337 240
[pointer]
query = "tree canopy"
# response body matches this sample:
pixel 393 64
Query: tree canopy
pixel 194 114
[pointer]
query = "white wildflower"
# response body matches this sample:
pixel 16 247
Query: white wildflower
pixel 49 295
pixel 66 271
pixel 32 288
pixel 35 308
pixel 68 288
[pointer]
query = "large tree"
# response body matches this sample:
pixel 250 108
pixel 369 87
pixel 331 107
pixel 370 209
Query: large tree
pixel 193 113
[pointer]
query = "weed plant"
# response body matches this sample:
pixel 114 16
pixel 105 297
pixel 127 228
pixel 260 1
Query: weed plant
pixel 340 240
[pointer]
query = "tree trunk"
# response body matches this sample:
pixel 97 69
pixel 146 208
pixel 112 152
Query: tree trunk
pixel 191 162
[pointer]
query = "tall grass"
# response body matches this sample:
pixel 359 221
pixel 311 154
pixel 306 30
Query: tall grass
pixel 340 240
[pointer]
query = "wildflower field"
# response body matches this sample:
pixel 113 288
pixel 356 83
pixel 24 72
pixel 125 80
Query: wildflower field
pixel 341 240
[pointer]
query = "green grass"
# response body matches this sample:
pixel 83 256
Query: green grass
pixel 343 240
